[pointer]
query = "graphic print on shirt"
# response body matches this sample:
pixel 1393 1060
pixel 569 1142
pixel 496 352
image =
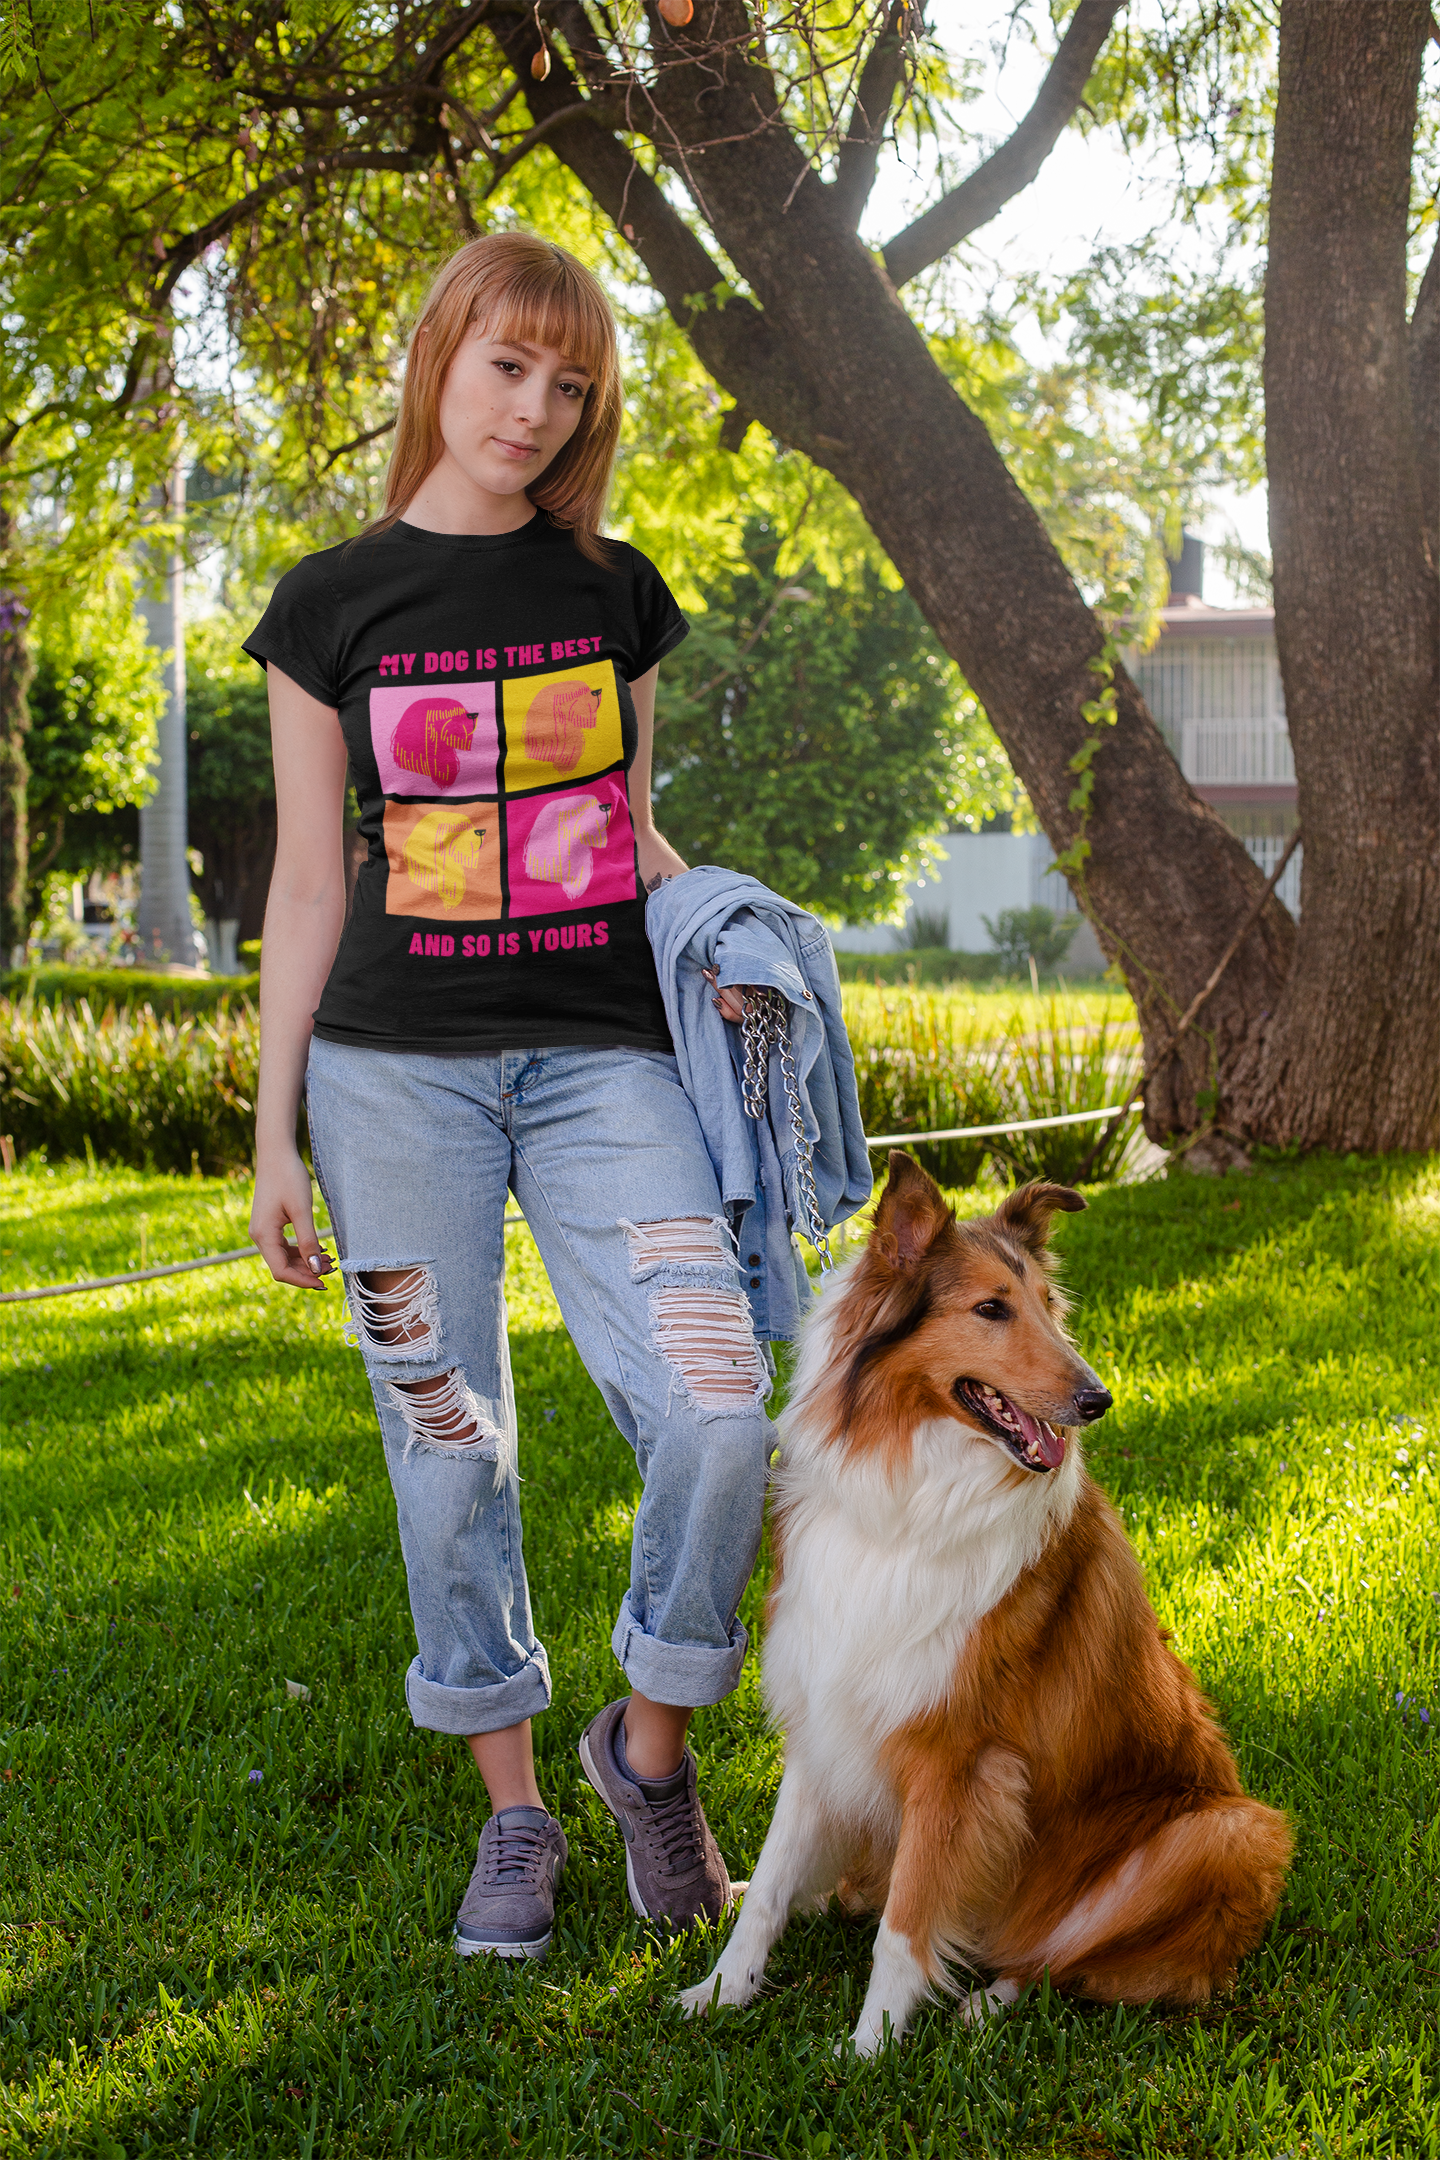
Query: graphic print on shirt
pixel 571 849
pixel 560 727
pixel 444 861
pixel 438 741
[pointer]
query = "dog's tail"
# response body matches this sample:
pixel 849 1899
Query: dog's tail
pixel 1173 1920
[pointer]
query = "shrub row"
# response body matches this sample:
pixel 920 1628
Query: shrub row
pixel 173 1092
pixel 131 1086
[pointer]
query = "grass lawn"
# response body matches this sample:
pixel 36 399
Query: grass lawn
pixel 225 1912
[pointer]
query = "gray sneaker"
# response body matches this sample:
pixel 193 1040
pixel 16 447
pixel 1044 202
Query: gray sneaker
pixel 672 1863
pixel 509 1908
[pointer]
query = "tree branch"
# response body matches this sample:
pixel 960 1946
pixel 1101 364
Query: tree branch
pixel 179 258
pixel 357 442
pixel 733 340
pixel 1425 398
pixel 1014 165
pixel 859 154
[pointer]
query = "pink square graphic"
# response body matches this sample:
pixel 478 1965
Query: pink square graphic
pixel 436 738
pixel 573 848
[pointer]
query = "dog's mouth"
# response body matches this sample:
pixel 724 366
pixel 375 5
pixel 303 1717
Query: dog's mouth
pixel 1034 1444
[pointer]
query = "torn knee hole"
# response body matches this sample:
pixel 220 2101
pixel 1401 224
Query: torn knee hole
pixel 708 1338
pixel 394 1311
pixel 444 1415
pixel 693 1241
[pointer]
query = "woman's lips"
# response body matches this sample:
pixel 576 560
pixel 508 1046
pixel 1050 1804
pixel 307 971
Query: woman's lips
pixel 514 449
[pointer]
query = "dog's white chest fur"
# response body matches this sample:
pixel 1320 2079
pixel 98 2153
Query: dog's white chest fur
pixel 883 1584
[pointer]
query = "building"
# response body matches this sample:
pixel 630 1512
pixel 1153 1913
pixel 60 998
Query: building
pixel 1212 681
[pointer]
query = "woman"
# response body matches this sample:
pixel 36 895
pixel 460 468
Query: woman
pixel 491 1023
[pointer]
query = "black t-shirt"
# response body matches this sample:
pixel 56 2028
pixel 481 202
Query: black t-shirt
pixel 483 687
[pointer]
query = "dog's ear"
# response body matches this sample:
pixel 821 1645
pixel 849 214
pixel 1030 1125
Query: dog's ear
pixel 1026 1213
pixel 911 1214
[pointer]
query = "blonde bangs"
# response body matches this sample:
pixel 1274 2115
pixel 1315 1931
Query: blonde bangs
pixel 522 290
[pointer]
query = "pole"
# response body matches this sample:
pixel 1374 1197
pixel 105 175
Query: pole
pixel 165 928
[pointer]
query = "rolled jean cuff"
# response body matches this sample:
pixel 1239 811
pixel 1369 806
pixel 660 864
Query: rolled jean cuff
pixel 687 1675
pixel 482 1709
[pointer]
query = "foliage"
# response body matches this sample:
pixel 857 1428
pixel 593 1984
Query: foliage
pixel 926 930
pixel 196 1510
pixel 94 702
pixel 171 996
pixel 813 735
pixel 933 1063
pixel 126 1086
pixel 230 780
pixel 1020 935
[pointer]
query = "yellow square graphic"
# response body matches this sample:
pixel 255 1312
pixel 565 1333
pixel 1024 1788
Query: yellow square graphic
pixel 444 861
pixel 559 727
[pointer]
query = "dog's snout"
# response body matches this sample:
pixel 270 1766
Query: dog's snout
pixel 1092 1403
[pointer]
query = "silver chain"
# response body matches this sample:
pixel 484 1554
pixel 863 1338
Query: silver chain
pixel 766 1027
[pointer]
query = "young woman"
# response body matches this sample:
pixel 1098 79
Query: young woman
pixel 488 1022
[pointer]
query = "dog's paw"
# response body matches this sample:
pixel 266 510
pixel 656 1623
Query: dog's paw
pixel 730 1993
pixel 982 2003
pixel 865 2042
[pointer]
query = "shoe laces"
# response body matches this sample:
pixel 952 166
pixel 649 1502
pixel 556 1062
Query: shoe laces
pixel 673 1828
pixel 513 1855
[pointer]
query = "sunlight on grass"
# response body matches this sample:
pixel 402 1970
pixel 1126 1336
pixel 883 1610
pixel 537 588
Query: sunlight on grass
pixel 225 1912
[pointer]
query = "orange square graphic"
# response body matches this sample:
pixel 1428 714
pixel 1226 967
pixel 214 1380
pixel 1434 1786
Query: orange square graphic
pixel 559 727
pixel 444 861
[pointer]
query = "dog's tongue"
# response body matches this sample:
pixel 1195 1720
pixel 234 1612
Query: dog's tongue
pixel 1051 1444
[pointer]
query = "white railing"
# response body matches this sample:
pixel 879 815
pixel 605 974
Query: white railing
pixel 1223 751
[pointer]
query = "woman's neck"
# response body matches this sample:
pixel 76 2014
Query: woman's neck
pixel 448 501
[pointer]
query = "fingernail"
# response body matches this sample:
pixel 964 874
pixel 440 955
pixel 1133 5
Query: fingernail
pixel 315 1262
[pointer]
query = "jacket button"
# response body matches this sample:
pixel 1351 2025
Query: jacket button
pixel 754 1282
pixel 753 1260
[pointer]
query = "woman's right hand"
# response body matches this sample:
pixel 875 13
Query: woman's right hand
pixel 283 1196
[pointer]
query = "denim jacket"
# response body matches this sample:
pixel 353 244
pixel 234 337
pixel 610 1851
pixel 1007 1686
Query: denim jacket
pixel 718 919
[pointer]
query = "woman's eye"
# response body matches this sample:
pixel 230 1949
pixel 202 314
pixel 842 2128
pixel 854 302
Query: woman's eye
pixel 993 1309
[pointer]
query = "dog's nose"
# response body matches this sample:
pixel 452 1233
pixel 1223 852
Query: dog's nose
pixel 1092 1403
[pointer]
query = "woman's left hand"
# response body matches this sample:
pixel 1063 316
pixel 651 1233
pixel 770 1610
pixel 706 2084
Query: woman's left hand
pixel 731 1000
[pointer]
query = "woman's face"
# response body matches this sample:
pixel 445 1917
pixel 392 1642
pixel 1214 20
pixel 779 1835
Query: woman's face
pixel 507 410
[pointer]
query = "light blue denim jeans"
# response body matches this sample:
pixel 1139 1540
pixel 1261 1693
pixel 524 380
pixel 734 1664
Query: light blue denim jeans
pixel 416 1157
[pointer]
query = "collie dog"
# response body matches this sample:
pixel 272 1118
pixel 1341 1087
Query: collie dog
pixel 987 1739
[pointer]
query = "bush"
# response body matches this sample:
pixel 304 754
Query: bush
pixel 126 988
pixel 131 1087
pixel 921 1067
pixel 1021 935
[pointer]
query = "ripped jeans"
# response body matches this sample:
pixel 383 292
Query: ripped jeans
pixel 416 1157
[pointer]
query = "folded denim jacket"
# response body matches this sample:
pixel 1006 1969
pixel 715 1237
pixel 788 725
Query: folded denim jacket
pixel 714 918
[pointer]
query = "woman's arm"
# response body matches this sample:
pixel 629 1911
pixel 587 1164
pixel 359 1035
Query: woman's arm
pixel 658 860
pixel 303 920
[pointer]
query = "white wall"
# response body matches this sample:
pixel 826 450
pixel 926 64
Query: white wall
pixel 978 875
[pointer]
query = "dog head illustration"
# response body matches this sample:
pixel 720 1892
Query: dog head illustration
pixel 560 849
pixel 439 850
pixel 555 723
pixel 429 736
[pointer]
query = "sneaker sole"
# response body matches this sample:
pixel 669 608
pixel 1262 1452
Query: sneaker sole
pixel 592 1778
pixel 467 1948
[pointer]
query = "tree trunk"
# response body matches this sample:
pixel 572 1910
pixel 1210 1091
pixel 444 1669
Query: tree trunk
pixel 1352 1056
pixel 16 668
pixel 837 369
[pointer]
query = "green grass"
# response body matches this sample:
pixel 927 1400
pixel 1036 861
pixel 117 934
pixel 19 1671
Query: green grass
pixel 195 1510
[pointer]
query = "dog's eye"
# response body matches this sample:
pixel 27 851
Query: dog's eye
pixel 994 1308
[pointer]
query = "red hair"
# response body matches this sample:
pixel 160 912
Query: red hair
pixel 528 290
